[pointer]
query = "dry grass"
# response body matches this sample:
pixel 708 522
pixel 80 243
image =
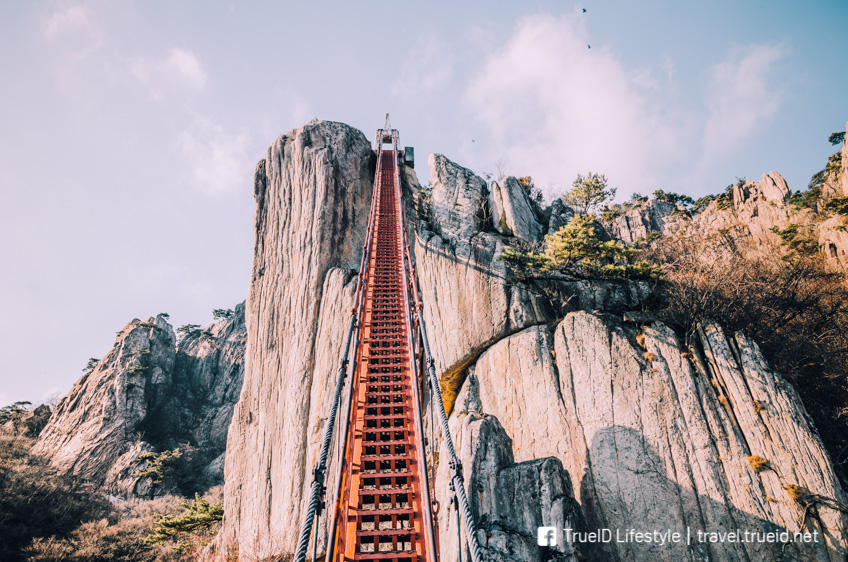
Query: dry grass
pixel 759 464
pixel 45 517
pixel 759 406
pixel 640 340
pixel 37 502
pixel 649 357
pixel 800 495
pixel 793 304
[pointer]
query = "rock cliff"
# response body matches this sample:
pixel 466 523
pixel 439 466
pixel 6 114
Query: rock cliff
pixel 147 395
pixel 748 214
pixel 563 414
pixel 657 435
pixel 836 182
pixel 313 193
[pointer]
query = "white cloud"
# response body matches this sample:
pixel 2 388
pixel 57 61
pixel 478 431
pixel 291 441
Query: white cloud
pixel 559 108
pixel 218 160
pixel 428 68
pixel 741 97
pixel 181 69
pixel 60 21
pixel 186 65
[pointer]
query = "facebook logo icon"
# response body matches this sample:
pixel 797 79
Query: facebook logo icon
pixel 547 536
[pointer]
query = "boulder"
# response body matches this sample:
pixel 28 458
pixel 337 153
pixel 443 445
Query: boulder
pixel 459 200
pixel 509 500
pixel 511 210
pixel 559 214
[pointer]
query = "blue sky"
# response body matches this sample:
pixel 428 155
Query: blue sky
pixel 130 130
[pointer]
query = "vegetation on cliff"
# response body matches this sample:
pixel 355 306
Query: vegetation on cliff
pixel 576 251
pixel 787 299
pixel 45 516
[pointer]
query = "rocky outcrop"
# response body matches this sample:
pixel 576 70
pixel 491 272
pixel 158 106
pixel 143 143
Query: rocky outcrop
pixel 836 183
pixel 638 223
pixel 747 216
pixel 198 407
pixel 459 200
pixel 313 193
pixel 29 423
pixel 662 436
pixel 558 214
pixel 833 240
pixel 509 500
pixel 512 213
pixel 562 417
pixel 469 300
pixel 102 417
pixel 148 395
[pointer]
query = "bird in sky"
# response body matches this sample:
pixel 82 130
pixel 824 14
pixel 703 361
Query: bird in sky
pixel 590 46
pixel 584 10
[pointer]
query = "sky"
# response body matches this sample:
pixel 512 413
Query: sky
pixel 129 131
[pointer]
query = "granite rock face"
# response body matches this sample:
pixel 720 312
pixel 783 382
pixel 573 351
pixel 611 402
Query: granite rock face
pixel 833 240
pixel 313 193
pixel 512 213
pixel 558 215
pixel 206 384
pixel 29 424
pixel 561 416
pixel 639 222
pixel 661 436
pixel 146 396
pixel 509 500
pixel 836 184
pixel 102 417
pixel 469 300
pixel 459 200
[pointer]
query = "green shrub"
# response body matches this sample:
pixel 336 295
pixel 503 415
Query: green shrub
pixel 189 330
pixel 192 528
pixel 673 198
pixel 576 251
pixel 794 241
pixel 838 206
pixel 588 193
pixel 702 203
pixel 810 197
pixel 611 212
pixel 159 467
pixel 137 369
pixel 91 365
pixel 636 199
pixel 14 412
